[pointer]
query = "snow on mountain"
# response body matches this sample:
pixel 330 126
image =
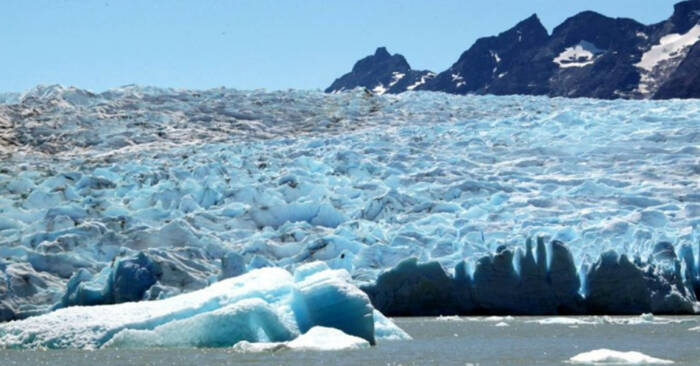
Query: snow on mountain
pixel 664 57
pixel 580 55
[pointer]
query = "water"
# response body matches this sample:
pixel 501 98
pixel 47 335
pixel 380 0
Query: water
pixel 466 341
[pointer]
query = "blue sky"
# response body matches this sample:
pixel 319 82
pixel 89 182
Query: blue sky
pixel 248 44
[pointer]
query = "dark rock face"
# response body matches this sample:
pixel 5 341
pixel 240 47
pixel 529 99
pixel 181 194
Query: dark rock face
pixel 588 55
pixel 513 282
pixel 382 73
pixel 684 82
pixel 499 65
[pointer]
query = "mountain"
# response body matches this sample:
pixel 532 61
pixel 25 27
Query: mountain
pixel 381 72
pixel 588 55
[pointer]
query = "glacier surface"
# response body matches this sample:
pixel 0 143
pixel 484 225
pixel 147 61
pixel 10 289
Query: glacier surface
pixel 141 193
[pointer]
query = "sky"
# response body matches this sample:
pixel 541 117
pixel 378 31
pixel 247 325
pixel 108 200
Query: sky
pixel 250 44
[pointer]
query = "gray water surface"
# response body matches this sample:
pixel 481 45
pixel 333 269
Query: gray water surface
pixel 462 341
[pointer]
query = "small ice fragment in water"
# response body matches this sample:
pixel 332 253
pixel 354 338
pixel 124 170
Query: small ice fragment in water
pixel 316 339
pixel 605 356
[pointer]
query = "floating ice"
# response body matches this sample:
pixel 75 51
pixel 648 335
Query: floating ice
pixel 564 321
pixel 609 357
pixel 316 339
pixel 265 305
pixel 644 319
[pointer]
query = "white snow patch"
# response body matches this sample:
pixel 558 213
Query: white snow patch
pixel 605 356
pixel 397 76
pixel 580 55
pixel 642 35
pixel 458 79
pixel 422 80
pixel 497 59
pixel 670 46
pixel 663 58
pixel 501 75
pixel 379 89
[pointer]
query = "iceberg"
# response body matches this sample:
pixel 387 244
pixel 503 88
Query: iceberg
pixel 264 305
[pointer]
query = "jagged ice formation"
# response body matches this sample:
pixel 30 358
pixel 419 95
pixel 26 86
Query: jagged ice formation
pixel 144 193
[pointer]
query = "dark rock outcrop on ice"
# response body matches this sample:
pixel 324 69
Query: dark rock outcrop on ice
pixel 588 55
pixel 512 282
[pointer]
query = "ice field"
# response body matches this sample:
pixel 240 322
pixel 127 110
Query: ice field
pixel 145 193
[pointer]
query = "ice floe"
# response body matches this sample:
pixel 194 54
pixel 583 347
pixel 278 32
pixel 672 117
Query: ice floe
pixel 609 357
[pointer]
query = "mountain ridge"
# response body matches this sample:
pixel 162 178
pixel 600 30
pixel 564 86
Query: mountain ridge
pixel 587 55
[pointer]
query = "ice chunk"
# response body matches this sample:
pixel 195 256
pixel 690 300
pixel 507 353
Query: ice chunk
pixel 317 214
pixel 605 356
pixel 232 265
pixel 316 339
pixel 563 321
pixel 326 339
pixel 327 298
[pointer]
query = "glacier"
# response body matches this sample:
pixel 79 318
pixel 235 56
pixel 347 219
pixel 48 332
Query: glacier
pixel 434 204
